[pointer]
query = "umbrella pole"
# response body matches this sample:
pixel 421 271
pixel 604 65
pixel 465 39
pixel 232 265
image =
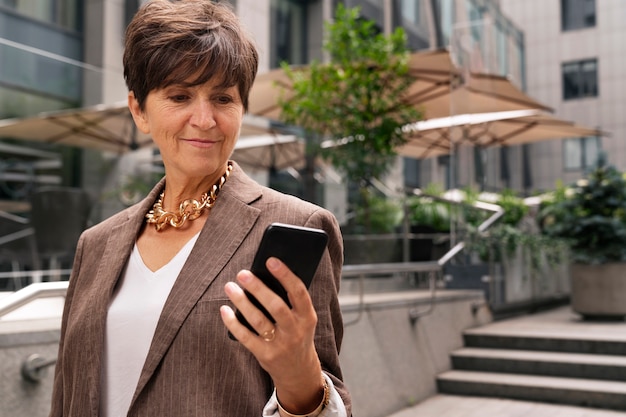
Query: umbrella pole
pixel 454 148
pixel 310 184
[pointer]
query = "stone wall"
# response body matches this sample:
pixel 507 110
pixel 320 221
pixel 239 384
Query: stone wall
pixel 19 397
pixel 389 361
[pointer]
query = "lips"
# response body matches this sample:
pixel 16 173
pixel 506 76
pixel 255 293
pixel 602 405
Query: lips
pixel 201 143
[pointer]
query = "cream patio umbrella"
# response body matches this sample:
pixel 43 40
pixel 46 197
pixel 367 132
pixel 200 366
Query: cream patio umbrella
pixel 439 136
pixel 273 152
pixel 439 89
pixel 107 127
pixel 269 151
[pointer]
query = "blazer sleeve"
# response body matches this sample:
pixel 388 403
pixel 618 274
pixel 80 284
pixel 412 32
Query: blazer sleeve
pixel 324 292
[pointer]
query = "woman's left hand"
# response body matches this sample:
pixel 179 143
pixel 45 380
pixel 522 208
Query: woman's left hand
pixel 285 349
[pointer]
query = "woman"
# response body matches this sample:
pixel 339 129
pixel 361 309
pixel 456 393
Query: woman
pixel 151 298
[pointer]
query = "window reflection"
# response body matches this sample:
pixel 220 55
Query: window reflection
pixel 580 153
pixel 288 32
pixel 63 13
pixel 580 79
pixel 578 14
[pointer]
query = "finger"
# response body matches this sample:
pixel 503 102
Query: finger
pixel 265 296
pixel 255 317
pixel 296 290
pixel 239 331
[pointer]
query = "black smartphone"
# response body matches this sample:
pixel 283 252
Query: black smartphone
pixel 300 248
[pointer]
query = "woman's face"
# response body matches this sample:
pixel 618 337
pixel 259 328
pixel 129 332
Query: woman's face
pixel 195 127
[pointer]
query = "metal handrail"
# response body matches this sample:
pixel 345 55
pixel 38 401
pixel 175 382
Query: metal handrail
pixel 34 367
pixel 361 270
pixel 432 267
pixel 17 235
pixel 33 292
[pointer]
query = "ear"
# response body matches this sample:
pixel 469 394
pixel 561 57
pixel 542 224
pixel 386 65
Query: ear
pixel 138 114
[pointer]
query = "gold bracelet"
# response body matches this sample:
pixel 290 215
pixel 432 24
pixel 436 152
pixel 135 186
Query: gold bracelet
pixel 315 412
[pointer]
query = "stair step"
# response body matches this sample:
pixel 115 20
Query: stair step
pixel 556 343
pixel 571 365
pixel 573 391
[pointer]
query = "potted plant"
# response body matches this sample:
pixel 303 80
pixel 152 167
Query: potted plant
pixel 504 238
pixel 523 265
pixel 591 216
pixel 370 236
pixel 429 225
pixel 487 249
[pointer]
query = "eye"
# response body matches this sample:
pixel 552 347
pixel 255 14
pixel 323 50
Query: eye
pixel 223 99
pixel 179 98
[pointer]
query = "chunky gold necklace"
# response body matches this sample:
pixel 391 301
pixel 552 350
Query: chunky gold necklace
pixel 188 210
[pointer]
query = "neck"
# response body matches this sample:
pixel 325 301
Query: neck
pixel 181 188
pixel 189 209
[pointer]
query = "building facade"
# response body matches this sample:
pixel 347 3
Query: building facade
pixel 575 53
pixel 59 54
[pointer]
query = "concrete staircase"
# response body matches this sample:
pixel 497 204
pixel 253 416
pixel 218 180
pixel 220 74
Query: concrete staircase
pixel 571 369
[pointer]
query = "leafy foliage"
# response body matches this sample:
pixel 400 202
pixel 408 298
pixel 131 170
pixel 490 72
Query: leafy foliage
pixel 590 215
pixel 356 98
pixel 514 207
pixel 427 211
pixel 510 233
pixel 379 215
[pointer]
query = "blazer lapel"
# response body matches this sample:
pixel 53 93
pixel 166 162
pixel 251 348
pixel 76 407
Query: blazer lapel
pixel 220 237
pixel 115 253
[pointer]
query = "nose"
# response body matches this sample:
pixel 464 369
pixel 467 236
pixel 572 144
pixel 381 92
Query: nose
pixel 202 115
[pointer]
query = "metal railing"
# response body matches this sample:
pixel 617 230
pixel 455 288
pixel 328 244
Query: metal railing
pixel 33 292
pixel 431 267
pixel 34 366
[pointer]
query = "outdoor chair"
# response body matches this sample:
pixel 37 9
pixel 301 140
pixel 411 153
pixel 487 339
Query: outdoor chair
pixel 58 215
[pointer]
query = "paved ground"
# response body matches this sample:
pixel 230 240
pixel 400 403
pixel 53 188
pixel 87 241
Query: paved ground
pixel 460 406
pixel 557 322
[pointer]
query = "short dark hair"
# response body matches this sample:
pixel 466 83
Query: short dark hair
pixel 171 42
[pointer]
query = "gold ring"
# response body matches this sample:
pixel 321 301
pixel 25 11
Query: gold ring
pixel 269 335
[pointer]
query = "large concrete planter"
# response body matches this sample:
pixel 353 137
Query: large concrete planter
pixel 366 251
pixel 599 291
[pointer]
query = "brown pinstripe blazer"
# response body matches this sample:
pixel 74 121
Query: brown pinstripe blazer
pixel 193 369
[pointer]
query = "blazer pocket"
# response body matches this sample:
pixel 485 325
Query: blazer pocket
pixel 212 306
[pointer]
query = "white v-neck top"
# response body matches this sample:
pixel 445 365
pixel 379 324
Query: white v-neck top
pixel 131 321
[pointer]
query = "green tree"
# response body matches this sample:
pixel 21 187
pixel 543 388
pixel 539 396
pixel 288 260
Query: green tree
pixel 355 101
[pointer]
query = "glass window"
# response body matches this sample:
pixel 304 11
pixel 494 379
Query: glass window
pixel 580 79
pixel 130 8
pixel 580 153
pixel 288 32
pixel 42 73
pixel 447 13
pixel 476 17
pixel 412 176
pixel 502 54
pixel 578 14
pixel 410 10
pixel 63 13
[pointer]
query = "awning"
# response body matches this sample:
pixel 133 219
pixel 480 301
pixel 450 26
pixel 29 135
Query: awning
pixel 270 151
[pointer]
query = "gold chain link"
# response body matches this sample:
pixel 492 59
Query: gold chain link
pixel 188 210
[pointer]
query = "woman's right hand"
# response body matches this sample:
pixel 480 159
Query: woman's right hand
pixel 285 349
